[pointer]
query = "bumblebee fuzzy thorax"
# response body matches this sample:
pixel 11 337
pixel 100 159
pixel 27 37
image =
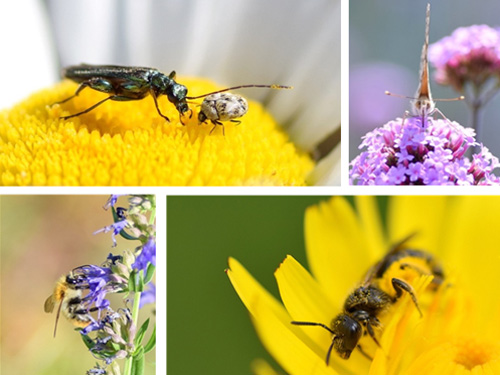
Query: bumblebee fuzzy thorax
pixel 68 300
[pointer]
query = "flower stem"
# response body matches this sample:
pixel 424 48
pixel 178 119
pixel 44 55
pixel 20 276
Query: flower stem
pixel 135 317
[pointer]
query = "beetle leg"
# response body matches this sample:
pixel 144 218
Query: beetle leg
pixel 88 109
pixel 78 90
pixel 400 286
pixel 158 108
pixel 215 122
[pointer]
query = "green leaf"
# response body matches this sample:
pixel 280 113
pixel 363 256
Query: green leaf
pixel 138 363
pixel 150 272
pixel 141 332
pixel 151 342
pixel 88 342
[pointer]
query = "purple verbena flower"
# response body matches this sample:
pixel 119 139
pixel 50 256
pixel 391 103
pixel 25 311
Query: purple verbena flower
pixel 469 54
pixel 412 154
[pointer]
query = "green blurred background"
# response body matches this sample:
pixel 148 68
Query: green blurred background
pixel 208 327
pixel 41 239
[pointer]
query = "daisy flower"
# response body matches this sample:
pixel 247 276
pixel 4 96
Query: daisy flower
pixel 458 330
pixel 130 144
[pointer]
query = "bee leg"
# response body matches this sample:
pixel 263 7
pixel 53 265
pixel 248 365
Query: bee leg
pixel 237 122
pixel 400 286
pixel 364 353
pixel 369 328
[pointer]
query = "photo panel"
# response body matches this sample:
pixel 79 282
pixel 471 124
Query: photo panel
pixel 332 285
pixel 77 284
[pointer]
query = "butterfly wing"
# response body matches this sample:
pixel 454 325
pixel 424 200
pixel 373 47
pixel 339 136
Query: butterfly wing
pixel 423 105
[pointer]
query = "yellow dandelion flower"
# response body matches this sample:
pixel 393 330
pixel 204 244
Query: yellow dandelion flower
pixel 128 143
pixel 458 332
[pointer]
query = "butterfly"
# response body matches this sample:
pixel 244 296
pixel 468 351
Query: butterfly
pixel 422 104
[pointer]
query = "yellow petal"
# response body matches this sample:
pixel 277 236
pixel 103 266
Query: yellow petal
pixel 273 326
pixel 303 296
pixel 420 215
pixel 371 222
pixel 337 247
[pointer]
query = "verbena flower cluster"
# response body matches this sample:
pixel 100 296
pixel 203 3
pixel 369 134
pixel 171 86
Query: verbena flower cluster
pixel 113 332
pixel 412 153
pixel 469 54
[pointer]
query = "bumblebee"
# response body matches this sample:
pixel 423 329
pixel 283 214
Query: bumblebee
pixel 379 290
pixel 68 294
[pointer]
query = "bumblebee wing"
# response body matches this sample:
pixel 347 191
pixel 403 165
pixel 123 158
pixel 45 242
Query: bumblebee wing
pixel 398 246
pixel 49 304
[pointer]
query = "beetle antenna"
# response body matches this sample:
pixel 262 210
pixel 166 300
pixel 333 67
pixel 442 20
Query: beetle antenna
pixel 277 87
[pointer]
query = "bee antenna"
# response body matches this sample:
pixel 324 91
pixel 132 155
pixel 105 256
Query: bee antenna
pixel 329 351
pixel 277 87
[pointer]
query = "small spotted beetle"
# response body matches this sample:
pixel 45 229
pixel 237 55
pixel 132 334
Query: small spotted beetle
pixel 222 107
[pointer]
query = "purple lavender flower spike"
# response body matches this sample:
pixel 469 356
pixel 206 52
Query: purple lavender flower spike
pixel 148 296
pixel 147 255
pixel 115 227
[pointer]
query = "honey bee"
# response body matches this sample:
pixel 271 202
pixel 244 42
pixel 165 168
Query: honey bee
pixel 374 297
pixel 68 294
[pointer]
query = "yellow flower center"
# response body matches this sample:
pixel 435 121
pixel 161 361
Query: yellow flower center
pixel 472 352
pixel 129 143
pixel 464 355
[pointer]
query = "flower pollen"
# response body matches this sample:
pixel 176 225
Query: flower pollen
pixel 130 144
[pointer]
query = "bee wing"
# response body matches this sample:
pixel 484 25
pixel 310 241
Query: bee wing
pixel 49 304
pixel 398 246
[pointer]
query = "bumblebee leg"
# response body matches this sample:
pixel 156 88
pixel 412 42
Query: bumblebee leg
pixel 400 286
